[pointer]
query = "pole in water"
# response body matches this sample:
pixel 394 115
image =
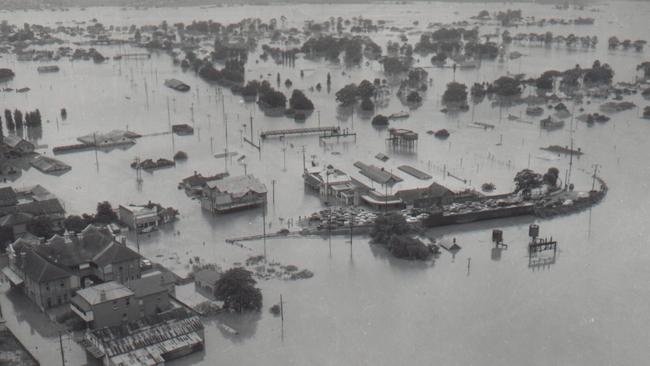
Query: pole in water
pixel 61 347
pixel 469 261
pixel 273 192
pixel 282 310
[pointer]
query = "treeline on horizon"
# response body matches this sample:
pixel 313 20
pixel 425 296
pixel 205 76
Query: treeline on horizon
pixel 35 4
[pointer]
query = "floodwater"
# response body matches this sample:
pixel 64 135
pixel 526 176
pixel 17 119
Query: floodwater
pixel 362 306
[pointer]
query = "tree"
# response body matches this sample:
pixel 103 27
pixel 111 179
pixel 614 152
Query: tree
pixel 551 176
pixel 506 86
pixel 366 89
pixel 414 98
pixel 347 95
pixel 393 65
pixel 9 120
pixel 645 66
pixel 251 89
pixel 41 226
pixel 75 223
pixel 367 105
pixel 455 93
pixel 299 101
pixel 526 180
pixel 599 74
pixel 407 247
pixel 105 213
pixel 18 118
pixel 388 225
pixel 380 120
pixel 236 288
pixel 273 99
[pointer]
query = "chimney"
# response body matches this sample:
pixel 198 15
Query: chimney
pixel 102 295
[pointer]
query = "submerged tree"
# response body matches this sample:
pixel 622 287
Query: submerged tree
pixel 299 101
pixel 455 93
pixel 236 288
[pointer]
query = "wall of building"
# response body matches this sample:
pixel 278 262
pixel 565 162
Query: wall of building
pixel 154 303
pixel 115 312
pixel 50 294
pixel 122 272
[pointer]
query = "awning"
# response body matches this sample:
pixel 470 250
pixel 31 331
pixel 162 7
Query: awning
pixel 12 276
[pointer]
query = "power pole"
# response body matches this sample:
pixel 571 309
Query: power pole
pixel 61 347
pixel 593 183
pixel 251 127
pixel 264 230
pixel 273 192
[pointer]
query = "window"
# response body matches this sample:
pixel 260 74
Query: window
pixel 62 285
pixel 128 301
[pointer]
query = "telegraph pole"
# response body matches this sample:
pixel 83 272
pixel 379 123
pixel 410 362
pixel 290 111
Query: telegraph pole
pixel 593 183
pixel 61 347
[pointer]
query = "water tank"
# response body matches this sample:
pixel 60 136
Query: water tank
pixel 533 230
pixel 497 236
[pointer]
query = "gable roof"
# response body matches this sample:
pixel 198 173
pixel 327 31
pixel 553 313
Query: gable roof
pixel 13 141
pixel 8 196
pixel 77 249
pixel 14 219
pixel 46 207
pixel 115 253
pixel 38 269
pixel 238 186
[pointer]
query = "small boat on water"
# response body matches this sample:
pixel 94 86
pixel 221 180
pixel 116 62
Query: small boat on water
pixel 399 115
pixel 46 69
pixel 177 85
pixel 441 134
pixel 482 125
pixel 549 123
pixel 562 150
pixel 534 111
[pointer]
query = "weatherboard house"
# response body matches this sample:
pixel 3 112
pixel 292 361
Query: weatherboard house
pixel 233 193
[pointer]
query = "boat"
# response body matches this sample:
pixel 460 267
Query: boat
pixel 441 134
pixel 399 115
pixel 177 85
pixel 534 111
pixel 482 125
pixel 549 123
pixel 45 69
pixel 562 150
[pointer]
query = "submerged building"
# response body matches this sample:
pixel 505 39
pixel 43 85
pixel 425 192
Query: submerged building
pixel 233 193
pixel 152 340
pixel 378 187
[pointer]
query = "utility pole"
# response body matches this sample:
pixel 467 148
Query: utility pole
pixel 593 183
pixel 264 229
pixel 304 164
pixel 273 191
pixel 169 119
pixel 282 311
pixel 61 347
pixel 570 163
pixel 251 127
